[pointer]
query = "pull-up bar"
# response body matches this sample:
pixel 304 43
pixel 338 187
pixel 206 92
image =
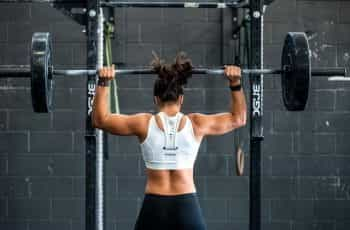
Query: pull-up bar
pixel 231 4
pixel 150 4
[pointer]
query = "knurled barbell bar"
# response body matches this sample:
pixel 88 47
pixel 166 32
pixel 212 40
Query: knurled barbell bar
pixel 23 71
pixel 295 71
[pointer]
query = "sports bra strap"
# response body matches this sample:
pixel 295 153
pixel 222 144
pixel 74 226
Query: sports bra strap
pixel 170 126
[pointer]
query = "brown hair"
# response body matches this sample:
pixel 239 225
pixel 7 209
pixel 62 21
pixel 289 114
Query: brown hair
pixel 171 77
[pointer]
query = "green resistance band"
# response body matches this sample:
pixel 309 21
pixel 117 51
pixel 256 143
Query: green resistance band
pixel 113 93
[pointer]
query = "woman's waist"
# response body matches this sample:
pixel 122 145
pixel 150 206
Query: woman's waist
pixel 170 187
pixel 189 195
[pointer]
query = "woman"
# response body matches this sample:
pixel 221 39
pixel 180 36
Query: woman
pixel 169 142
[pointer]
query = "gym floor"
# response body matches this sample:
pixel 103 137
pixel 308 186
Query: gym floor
pixel 306 155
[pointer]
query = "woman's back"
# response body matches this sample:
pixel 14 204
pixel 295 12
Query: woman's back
pixel 169 154
pixel 170 147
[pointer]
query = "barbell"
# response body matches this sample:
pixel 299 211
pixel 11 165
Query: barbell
pixel 295 71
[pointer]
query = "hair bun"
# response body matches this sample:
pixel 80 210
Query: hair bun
pixel 183 67
pixel 162 69
pixel 177 73
pixel 156 63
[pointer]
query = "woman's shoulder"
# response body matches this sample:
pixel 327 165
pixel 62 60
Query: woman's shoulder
pixel 144 116
pixel 194 116
pixel 197 119
pixel 141 119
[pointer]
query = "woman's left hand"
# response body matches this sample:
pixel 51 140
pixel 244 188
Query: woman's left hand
pixel 107 73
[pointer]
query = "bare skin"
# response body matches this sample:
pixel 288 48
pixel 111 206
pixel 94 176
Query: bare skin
pixel 169 182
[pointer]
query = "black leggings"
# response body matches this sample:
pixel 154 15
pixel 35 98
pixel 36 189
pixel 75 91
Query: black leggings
pixel 179 212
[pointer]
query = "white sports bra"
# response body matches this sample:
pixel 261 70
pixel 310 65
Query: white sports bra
pixel 170 149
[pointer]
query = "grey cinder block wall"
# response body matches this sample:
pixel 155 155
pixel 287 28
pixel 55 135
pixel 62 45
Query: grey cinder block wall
pixel 306 160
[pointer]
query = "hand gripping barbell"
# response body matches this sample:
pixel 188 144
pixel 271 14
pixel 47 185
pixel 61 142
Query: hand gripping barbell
pixel 295 71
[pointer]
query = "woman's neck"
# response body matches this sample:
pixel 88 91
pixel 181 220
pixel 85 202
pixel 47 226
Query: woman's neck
pixel 170 110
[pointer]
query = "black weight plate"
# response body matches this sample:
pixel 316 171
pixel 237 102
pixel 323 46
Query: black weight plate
pixel 296 78
pixel 41 74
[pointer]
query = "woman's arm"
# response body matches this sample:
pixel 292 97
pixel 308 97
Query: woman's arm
pixel 113 123
pixel 221 123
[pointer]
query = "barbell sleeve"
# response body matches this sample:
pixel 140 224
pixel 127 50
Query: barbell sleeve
pixel 12 71
pixel 329 72
pixel 339 79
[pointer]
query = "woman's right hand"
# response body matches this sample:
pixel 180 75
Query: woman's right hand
pixel 233 73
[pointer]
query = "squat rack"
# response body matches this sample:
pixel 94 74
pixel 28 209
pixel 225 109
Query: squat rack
pixel 94 139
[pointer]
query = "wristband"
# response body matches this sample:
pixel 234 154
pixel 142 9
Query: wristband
pixel 236 87
pixel 103 82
